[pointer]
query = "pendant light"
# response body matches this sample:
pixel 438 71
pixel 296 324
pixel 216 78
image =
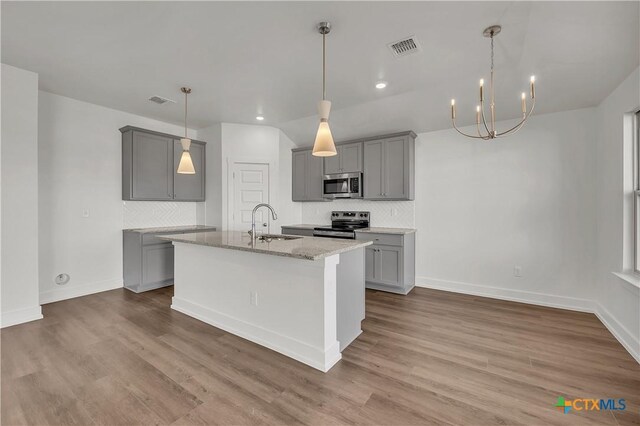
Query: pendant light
pixel 185 167
pixel 323 145
pixel 488 131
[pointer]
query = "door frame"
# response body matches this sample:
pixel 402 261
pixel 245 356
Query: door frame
pixel 230 187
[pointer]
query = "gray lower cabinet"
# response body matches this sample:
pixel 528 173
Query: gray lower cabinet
pixel 389 168
pixel 389 261
pixel 148 260
pixel 348 160
pixel 307 176
pixel 149 167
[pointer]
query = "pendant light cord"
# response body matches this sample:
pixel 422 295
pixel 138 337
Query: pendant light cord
pixel 185 115
pixel 324 60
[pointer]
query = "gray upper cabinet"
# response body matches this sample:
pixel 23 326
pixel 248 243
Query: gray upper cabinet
pixel 298 192
pixel 149 167
pixel 307 176
pixel 152 167
pixel 189 187
pixel 389 168
pixel 348 160
pixel 373 176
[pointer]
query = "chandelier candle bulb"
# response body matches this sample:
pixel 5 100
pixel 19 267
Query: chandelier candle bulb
pixel 533 89
pixel 453 109
pixel 524 103
pixel 478 114
pixel 481 90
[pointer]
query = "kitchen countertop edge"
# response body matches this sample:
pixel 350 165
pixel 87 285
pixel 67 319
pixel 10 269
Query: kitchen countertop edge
pixel 181 238
pixel 169 229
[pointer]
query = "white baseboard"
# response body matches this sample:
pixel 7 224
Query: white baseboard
pixel 619 331
pixel 532 298
pixel 626 339
pixel 19 316
pixel 64 293
pixel 300 351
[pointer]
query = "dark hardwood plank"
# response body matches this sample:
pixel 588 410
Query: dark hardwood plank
pixel 432 357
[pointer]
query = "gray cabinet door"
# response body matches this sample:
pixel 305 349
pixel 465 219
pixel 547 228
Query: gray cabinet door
pixel 152 167
pixel 351 158
pixel 396 168
pixel 314 177
pixel 373 172
pixel 189 187
pixel 299 181
pixel 370 264
pixel 157 261
pixel 332 164
pixel 389 265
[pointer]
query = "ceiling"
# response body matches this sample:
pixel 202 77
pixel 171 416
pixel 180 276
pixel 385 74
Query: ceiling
pixel 248 58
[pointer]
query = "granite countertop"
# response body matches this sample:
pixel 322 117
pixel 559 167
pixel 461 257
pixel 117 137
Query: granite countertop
pixel 397 231
pixel 170 229
pixel 307 248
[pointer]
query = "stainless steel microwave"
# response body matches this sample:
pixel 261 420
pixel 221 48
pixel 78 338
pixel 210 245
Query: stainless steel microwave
pixel 342 185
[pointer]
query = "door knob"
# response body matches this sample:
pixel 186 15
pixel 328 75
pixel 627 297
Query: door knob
pixel 264 224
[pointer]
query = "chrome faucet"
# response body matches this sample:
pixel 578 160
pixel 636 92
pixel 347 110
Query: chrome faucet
pixel 252 232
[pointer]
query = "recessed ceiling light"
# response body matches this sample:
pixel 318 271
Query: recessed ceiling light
pixel 381 85
pixel 259 118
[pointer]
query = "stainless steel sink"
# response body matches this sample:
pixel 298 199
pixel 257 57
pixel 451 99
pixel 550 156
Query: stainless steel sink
pixel 270 237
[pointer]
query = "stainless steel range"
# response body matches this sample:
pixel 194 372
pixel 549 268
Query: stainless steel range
pixel 343 225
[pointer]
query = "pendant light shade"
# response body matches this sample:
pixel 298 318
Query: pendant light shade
pixel 186 164
pixel 324 145
pixel 185 167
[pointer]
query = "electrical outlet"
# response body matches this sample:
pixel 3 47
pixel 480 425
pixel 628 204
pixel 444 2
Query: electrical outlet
pixel 85 213
pixel 254 298
pixel 517 271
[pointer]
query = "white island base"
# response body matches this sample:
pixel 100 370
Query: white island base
pixel 309 310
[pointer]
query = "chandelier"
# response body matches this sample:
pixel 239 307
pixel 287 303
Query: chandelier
pixel 486 130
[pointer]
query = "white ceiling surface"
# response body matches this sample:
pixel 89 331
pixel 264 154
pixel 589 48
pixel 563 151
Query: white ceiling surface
pixel 246 58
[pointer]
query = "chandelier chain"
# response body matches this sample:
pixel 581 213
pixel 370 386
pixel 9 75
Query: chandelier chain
pixel 491 51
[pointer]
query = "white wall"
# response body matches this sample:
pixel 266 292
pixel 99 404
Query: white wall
pixel 19 175
pixel 619 300
pixel 213 204
pixel 79 149
pixel 527 200
pixel 250 143
pixel 289 212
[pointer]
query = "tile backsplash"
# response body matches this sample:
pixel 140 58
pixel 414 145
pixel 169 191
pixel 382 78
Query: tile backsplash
pixel 396 214
pixel 149 214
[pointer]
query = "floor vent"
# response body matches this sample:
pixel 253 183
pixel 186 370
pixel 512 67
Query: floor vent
pixel 160 100
pixel 404 47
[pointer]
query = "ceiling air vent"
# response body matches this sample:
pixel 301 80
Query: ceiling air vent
pixel 160 100
pixel 404 47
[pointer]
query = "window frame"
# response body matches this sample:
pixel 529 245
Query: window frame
pixel 636 192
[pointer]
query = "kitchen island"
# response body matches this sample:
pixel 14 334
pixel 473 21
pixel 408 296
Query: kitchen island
pixel 300 296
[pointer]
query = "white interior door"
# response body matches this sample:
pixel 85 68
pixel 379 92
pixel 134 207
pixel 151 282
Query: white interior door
pixel 250 186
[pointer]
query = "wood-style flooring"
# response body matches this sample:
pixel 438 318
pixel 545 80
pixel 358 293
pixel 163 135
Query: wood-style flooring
pixel 430 357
